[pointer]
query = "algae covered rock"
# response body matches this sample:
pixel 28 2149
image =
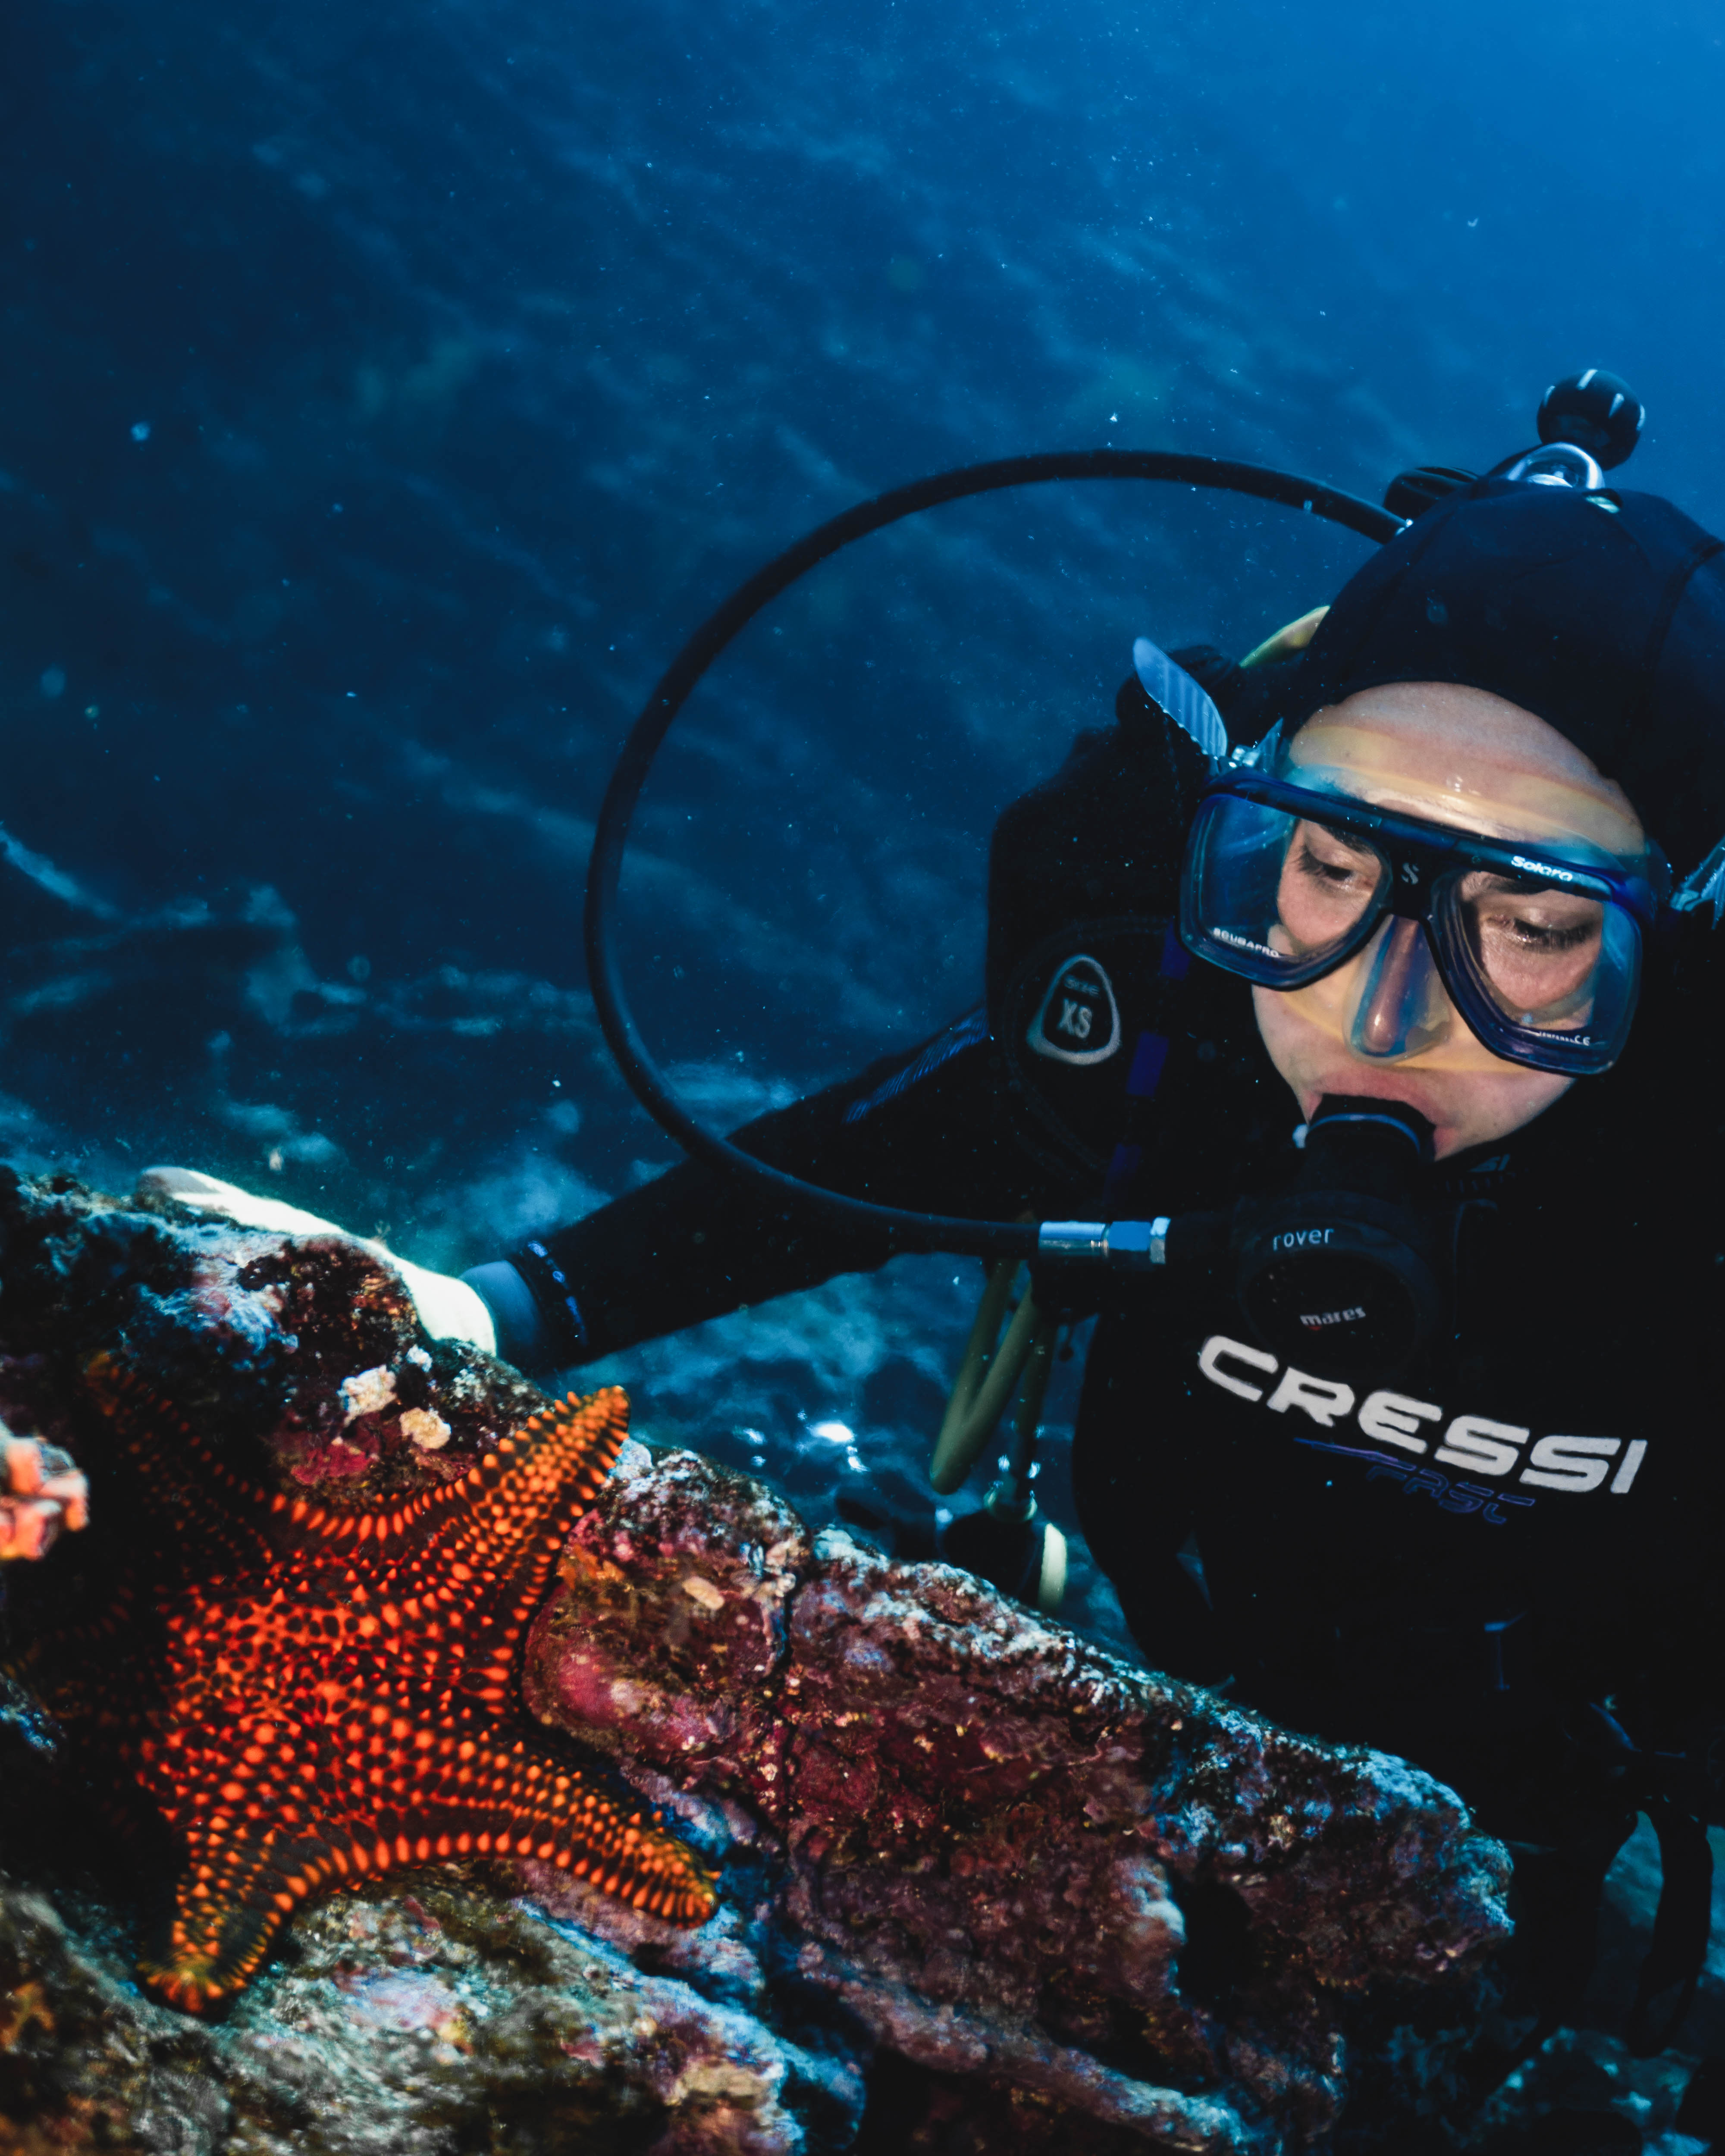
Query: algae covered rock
pixel 980 1885
pixel 1004 1852
pixel 445 2020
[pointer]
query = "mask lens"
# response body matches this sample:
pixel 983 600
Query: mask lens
pixel 1275 896
pixel 1551 960
pixel 1330 880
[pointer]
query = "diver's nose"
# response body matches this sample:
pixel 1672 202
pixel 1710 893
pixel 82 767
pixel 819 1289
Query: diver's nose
pixel 1402 1006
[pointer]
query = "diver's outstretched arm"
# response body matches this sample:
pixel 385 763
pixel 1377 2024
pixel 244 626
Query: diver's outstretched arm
pixel 925 1129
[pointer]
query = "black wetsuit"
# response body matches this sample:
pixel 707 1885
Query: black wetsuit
pixel 1495 1565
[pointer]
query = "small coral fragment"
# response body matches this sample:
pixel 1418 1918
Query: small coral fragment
pixel 426 1430
pixel 368 1391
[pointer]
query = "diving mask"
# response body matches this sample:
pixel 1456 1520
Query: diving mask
pixel 1539 946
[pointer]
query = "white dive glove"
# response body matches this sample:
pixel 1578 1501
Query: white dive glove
pixel 449 1309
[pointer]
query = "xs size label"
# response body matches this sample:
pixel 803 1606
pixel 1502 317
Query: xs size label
pixel 1078 1020
pixel 1476 1444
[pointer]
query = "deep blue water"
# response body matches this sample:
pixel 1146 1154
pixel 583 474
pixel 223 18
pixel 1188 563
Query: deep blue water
pixel 386 390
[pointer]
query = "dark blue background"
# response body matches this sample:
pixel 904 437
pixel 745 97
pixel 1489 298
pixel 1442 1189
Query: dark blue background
pixel 386 389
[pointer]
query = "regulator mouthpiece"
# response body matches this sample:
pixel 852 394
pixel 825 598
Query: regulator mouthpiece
pixel 1341 1275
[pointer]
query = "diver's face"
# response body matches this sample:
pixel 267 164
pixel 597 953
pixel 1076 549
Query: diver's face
pixel 1452 756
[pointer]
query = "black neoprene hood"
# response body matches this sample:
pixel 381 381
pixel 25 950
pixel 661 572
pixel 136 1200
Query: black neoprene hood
pixel 1603 614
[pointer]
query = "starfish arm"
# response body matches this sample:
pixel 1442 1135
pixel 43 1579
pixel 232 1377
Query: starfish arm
pixel 535 1486
pixel 236 1892
pixel 446 1787
pixel 526 1800
pixel 198 1509
pixel 512 1510
pixel 310 1815
pixel 507 1545
pixel 513 1507
pixel 453 1576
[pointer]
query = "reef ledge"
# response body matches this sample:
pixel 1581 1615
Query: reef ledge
pixel 981 1886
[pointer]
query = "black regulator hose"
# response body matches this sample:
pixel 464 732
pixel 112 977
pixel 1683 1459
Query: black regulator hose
pixel 903 1230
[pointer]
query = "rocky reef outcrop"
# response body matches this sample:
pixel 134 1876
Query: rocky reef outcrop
pixel 981 1885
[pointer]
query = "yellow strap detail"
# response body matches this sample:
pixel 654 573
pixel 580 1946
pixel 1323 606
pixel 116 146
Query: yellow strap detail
pixel 1286 642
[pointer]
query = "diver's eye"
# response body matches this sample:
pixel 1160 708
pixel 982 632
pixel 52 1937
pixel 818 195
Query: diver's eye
pixel 1308 864
pixel 1335 864
pixel 1327 884
pixel 1538 947
pixel 1540 937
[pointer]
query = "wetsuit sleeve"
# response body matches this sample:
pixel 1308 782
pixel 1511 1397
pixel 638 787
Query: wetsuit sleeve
pixel 923 1130
pixel 929 1131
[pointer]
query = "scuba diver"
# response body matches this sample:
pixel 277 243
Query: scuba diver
pixel 1373 977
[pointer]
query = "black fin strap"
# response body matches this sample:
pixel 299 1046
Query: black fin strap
pixel 1681 1925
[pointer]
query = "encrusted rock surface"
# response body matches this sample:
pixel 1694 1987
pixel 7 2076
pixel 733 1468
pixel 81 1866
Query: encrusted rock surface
pixel 983 1886
pixel 1002 1849
pixel 443 2020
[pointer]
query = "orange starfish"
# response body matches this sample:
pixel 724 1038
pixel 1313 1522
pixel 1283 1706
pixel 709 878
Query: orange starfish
pixel 333 1693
